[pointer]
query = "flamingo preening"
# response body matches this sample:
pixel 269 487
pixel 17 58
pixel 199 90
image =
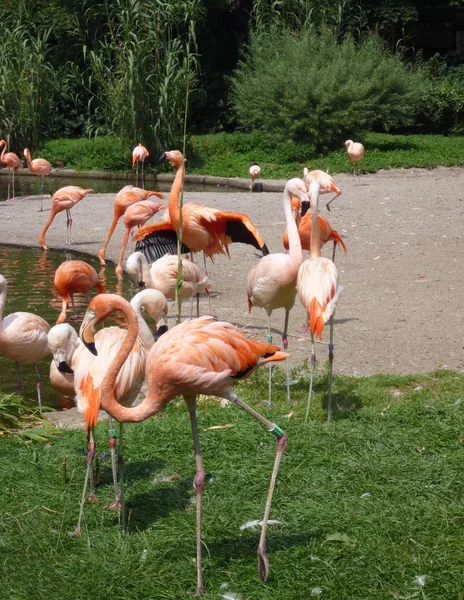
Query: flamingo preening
pixel 75 277
pixel 318 290
pixel 198 356
pixel 12 163
pixel 40 167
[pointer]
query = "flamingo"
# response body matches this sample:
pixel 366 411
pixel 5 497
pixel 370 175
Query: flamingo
pixel 129 380
pixel 255 171
pixel 127 196
pixel 355 151
pixel 75 277
pixel 137 214
pixel 326 181
pixel 318 290
pixel 162 275
pixel 198 356
pixel 38 166
pixel 139 154
pixel 271 283
pixel 203 229
pixel 12 162
pixel 63 199
pixel 23 338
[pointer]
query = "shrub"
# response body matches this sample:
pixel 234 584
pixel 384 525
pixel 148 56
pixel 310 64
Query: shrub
pixel 313 90
pixel 100 154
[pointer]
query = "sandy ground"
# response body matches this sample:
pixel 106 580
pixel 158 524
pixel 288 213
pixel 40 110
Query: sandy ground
pixel 402 306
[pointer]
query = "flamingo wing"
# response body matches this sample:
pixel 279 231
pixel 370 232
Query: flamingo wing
pixel 239 228
pixel 158 239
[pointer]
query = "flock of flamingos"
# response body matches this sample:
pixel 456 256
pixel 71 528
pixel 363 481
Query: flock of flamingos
pixel 106 368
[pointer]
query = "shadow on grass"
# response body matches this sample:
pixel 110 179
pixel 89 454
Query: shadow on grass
pixel 133 470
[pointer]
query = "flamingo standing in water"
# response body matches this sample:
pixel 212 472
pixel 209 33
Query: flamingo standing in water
pixel 139 154
pixel 326 181
pixel 75 277
pixel 318 290
pixel 136 215
pixel 23 338
pixel 198 356
pixel 255 172
pixel 63 199
pixel 12 162
pixel 124 198
pixel 108 342
pixel 271 283
pixel 162 275
pixel 38 166
pixel 203 229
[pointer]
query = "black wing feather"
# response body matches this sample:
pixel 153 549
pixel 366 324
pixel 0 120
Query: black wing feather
pixel 159 243
pixel 238 232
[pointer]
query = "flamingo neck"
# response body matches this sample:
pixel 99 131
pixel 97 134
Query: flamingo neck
pixel 294 243
pixel 108 399
pixel 174 210
pixel 2 307
pixel 315 245
pixel 143 269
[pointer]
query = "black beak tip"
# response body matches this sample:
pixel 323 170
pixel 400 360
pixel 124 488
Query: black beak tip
pixel 91 347
pixel 160 331
pixel 162 158
pixel 141 284
pixel 63 367
pixel 305 206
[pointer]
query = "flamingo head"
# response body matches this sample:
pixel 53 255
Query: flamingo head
pixel 98 310
pixel 62 342
pixel 348 143
pixel 174 157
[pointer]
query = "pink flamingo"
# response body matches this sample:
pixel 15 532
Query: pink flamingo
pixel 198 356
pixel 318 290
pixel 75 277
pixel 12 162
pixel 139 154
pixel 255 172
pixel 124 198
pixel 355 151
pixel 271 283
pixel 326 182
pixel 38 166
pixel 63 199
pixel 23 338
pixel 136 215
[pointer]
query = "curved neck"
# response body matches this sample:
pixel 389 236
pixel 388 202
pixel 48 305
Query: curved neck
pixel 144 331
pixel 315 245
pixel 143 269
pixel 294 243
pixel 108 399
pixel 174 211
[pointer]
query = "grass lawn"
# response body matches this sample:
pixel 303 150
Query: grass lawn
pixel 370 506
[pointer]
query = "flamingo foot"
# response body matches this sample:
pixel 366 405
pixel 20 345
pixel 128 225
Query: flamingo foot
pixel 198 593
pixel 116 505
pixel 304 329
pixel 75 533
pixel 92 498
pixel 263 564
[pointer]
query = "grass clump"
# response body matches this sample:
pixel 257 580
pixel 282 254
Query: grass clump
pixel 367 504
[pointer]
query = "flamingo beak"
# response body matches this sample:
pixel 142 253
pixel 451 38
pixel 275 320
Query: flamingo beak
pixel 86 331
pixel 63 367
pixel 161 330
pixel 162 158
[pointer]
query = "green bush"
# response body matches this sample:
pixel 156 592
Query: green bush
pixel 311 89
pixel 99 154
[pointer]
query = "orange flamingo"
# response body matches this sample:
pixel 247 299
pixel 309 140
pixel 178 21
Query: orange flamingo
pixel 198 356
pixel 124 198
pixel 136 215
pixel 203 229
pixel 271 283
pixel 38 166
pixel 255 172
pixel 318 290
pixel 139 154
pixel 23 338
pixel 12 162
pixel 326 182
pixel 63 199
pixel 162 275
pixel 75 277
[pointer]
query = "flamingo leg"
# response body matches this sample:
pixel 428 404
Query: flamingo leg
pixel 204 262
pixel 313 367
pixel 75 315
pixel 18 380
pixel 121 481
pixel 116 505
pixel 209 302
pixel 331 357
pixel 285 346
pixel 143 183
pixel 90 457
pixel 137 173
pixel 198 305
pixel 269 339
pixel 263 561
pixel 330 201
pixel 68 227
pixel 38 386
pixel 13 186
pixel 199 484
pixel 41 195
pixel 9 182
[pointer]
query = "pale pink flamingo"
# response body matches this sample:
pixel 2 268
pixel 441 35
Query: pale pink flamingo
pixel 326 181
pixel 12 162
pixel 23 338
pixel 162 275
pixel 136 215
pixel 127 386
pixel 355 151
pixel 63 199
pixel 271 283
pixel 318 290
pixel 40 167
pixel 198 356
pixel 75 277
pixel 203 229
pixel 139 154
pixel 126 197
pixel 255 172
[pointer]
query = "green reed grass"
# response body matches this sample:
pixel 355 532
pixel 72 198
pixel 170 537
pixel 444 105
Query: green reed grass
pixel 366 504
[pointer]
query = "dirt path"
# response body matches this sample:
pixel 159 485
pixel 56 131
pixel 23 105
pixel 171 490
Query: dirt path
pixel 402 306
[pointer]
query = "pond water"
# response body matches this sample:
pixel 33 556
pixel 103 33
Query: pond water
pixel 30 273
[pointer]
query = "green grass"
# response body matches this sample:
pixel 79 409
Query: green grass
pixel 367 503
pixel 229 155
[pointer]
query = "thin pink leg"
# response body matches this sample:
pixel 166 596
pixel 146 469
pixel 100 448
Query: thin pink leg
pixel 90 457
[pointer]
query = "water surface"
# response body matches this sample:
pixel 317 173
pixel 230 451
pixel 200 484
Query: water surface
pixel 30 273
